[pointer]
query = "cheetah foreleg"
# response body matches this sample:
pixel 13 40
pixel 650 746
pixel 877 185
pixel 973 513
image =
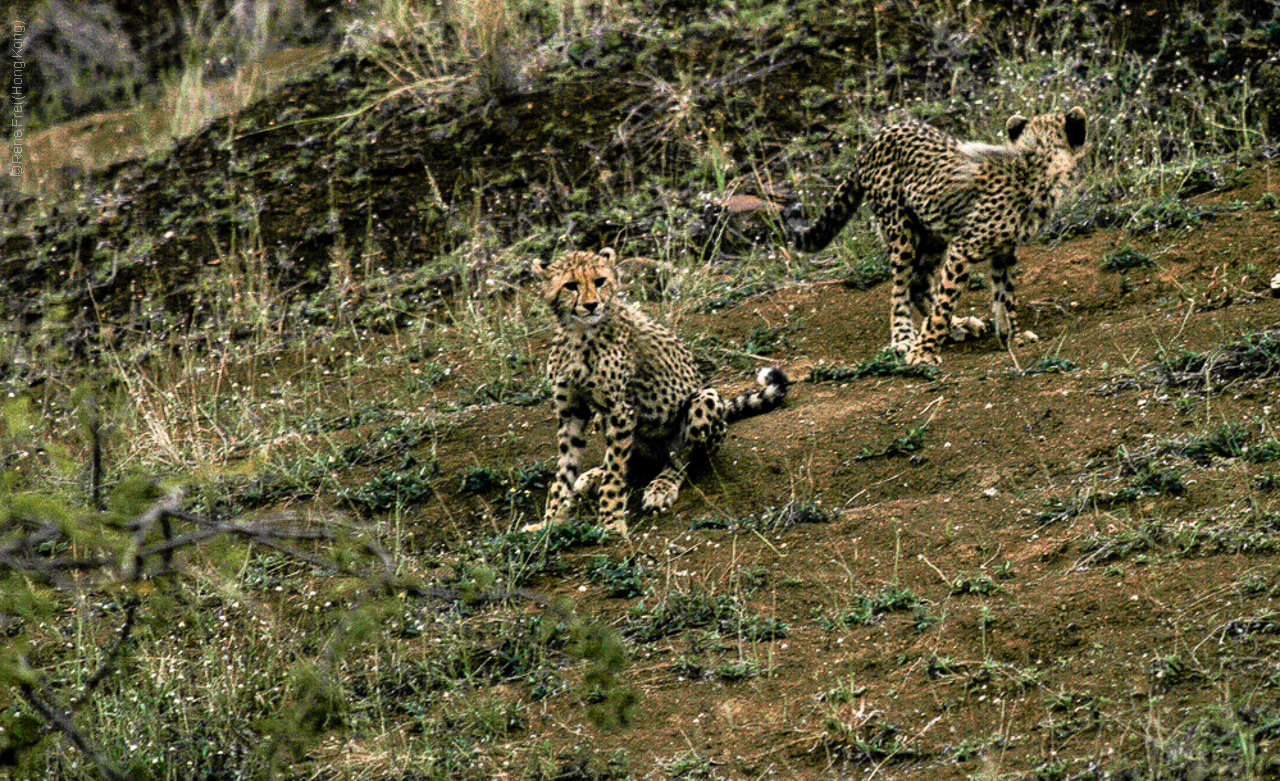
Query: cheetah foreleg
pixel 571 442
pixel 1004 305
pixel 619 432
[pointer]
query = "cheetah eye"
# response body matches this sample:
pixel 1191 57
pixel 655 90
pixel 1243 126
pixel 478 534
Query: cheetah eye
pixel 602 281
pixel 572 287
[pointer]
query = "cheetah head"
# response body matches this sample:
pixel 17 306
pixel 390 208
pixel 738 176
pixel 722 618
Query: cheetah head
pixel 1061 136
pixel 579 286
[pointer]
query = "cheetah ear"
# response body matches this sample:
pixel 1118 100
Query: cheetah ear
pixel 1014 127
pixel 1075 123
pixel 619 268
pixel 540 266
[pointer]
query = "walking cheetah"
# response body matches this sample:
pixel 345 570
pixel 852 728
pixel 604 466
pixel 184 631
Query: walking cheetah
pixel 945 202
pixel 609 358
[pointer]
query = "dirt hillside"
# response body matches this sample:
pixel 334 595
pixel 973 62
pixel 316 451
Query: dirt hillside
pixel 1060 562
pixel 1069 612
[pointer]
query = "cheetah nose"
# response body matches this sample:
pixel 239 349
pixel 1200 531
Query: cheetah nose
pixel 590 306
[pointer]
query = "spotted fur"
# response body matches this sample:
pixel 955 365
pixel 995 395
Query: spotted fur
pixel 944 205
pixel 610 359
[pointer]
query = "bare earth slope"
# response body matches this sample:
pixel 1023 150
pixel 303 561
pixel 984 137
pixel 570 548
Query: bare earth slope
pixel 1051 614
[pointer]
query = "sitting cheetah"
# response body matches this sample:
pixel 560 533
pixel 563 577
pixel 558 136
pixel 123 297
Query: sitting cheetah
pixel 609 358
pixel 944 202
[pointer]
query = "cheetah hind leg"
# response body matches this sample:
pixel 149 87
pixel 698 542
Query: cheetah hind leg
pixel 920 294
pixel 703 426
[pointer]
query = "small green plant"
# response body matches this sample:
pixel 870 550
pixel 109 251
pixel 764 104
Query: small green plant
pixel 1253 356
pixel 386 443
pixel 688 765
pixel 906 444
pixel 1256 584
pixel 1072 713
pixel 518 485
pixel 1126 542
pixel 1266 623
pixel 1146 480
pixel 868 272
pixel 794 512
pixel 1224 740
pixel 868 609
pixel 1051 770
pixel 1158 482
pixel 1170 671
pixel 1003 678
pixel 682 611
pixel 737 670
pixel 521 391
pixel 1269 481
pixel 392 488
pixel 1050 364
pixel 765 340
pixel 518 556
pixel 1125 259
pixel 1263 452
pixel 1225 441
pixel 619 579
pixel 863 736
pixel 922 620
pixel 979 583
pixel 1249 532
pixel 828 372
pixel 478 479
pixel 890 363
pixel 1166 215
pixel 941 667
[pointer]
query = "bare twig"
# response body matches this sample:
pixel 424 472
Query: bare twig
pixel 60 720
pixel 159 512
pixel 108 664
pixel 28 554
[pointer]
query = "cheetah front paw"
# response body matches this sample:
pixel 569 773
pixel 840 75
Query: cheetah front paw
pixel 902 343
pixel 659 496
pixel 588 483
pixel 919 357
pixel 968 328
pixel 618 525
pixel 1025 338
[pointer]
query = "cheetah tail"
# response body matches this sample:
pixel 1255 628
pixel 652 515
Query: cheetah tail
pixel 844 205
pixel 774 383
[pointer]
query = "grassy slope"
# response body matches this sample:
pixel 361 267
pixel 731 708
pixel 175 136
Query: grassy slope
pixel 309 317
